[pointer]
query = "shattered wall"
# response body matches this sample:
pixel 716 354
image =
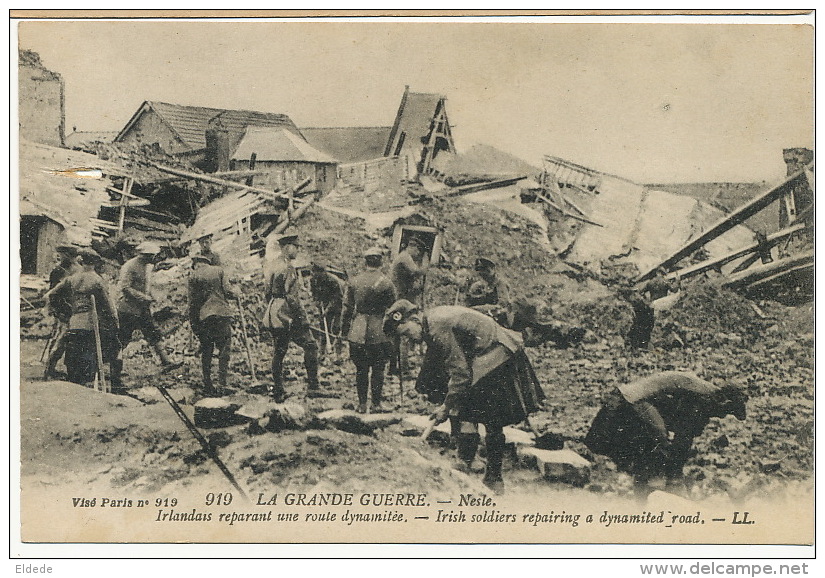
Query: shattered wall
pixel 644 226
pixel 41 111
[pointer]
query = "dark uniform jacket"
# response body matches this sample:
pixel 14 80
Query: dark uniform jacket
pixel 60 306
pixel 284 284
pixel 209 294
pixel 494 292
pixel 368 296
pixel 407 277
pixel 327 289
pixel 79 289
pixel 213 257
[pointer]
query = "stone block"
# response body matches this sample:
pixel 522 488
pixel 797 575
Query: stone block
pixel 519 437
pixel 414 425
pixel 212 412
pixel 288 416
pixel 565 466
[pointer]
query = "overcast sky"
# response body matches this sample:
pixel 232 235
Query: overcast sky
pixel 650 102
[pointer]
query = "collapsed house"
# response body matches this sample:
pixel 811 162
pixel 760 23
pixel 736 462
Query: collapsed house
pixel 605 221
pixel 62 193
pixel 421 131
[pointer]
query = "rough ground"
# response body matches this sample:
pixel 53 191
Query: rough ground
pixel 72 435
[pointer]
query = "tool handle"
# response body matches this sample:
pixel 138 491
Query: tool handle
pixel 98 347
pixel 428 430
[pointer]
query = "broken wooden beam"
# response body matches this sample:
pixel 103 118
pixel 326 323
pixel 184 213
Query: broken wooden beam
pixel 476 187
pixel 791 273
pixel 771 240
pixel 736 217
pixel 567 213
pixel 273 195
pixel 282 225
pixel 750 276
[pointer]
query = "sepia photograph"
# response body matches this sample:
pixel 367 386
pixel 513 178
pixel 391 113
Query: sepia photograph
pixel 413 280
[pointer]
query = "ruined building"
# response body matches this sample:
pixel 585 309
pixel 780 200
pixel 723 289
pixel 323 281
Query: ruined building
pixel 41 111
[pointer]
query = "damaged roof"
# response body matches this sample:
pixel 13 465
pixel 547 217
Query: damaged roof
pixel 349 144
pixel 414 116
pixel 190 122
pixel 49 187
pixel 278 144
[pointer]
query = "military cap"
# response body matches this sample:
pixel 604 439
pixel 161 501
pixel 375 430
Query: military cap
pixel 374 252
pixel 397 314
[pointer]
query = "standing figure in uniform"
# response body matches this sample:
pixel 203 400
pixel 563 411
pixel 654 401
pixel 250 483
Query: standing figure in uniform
pixel 407 271
pixel 211 318
pixel 205 242
pixel 81 350
pixel 327 290
pixel 368 297
pixel 647 427
pixel 287 320
pixel 60 307
pixel 486 287
pixel 477 370
pixel 134 305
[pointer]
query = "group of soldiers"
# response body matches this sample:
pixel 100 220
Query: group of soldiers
pixel 475 367
pixel 91 324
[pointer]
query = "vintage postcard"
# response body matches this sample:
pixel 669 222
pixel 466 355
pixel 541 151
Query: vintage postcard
pixel 414 280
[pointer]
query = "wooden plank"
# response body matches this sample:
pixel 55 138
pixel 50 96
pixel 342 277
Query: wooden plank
pixel 772 240
pixel 757 273
pixel 567 213
pixel 476 187
pixel 777 276
pixel 223 182
pixel 727 222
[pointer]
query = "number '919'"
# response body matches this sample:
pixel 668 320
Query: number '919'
pixel 221 499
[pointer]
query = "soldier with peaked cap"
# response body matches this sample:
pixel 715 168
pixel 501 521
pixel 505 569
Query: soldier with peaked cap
pixel 60 307
pixel 134 304
pixel 81 352
pixel 286 318
pixel 205 242
pixel 210 316
pixel 407 272
pixel 369 294
pixel 327 290
pixel 647 427
pixel 477 370
pixel 486 287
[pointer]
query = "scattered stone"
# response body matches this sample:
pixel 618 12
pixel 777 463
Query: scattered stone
pixel 219 439
pixel 519 437
pixel 288 416
pixel 767 467
pixel 256 409
pixel 564 466
pixel 212 412
pixel 417 424
pixel 380 420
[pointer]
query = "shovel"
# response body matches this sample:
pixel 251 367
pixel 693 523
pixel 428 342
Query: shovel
pixel 245 336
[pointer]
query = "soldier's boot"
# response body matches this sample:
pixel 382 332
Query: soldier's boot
pixel 166 365
pixel 495 457
pixel 466 445
pixel 377 386
pixel 206 370
pixel 362 388
pixel 51 364
pixel 311 366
